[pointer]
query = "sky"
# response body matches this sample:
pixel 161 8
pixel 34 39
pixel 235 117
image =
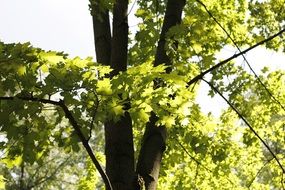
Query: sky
pixel 66 25
pixel 62 25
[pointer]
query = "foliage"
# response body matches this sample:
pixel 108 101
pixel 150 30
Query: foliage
pixel 203 152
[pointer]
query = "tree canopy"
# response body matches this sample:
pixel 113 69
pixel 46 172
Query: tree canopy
pixel 56 112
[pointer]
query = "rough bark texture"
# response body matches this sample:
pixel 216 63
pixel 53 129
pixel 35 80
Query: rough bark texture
pixel 119 148
pixel 120 36
pixel 120 153
pixel 102 35
pixel 153 144
pixel 118 136
pixel 172 17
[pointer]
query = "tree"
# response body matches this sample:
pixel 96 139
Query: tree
pixel 135 86
pixel 51 173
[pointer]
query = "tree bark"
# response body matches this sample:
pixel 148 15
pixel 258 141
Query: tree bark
pixel 113 51
pixel 120 36
pixel 119 146
pixel 153 146
pixel 118 136
pixel 102 34
pixel 154 140
pixel 172 17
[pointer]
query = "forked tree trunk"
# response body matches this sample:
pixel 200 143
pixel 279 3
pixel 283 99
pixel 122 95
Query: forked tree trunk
pixel 118 136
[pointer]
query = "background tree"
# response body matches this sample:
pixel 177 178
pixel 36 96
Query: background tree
pixel 136 86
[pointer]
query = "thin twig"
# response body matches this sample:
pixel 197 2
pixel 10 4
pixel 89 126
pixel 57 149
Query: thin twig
pixel 236 45
pixel 259 171
pixel 192 157
pixel 46 178
pixel 248 124
pixel 93 117
pixel 132 7
pixel 198 162
pixel 200 76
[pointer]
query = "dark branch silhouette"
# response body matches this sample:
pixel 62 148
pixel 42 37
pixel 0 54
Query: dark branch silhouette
pixel 200 76
pixel 258 172
pixel 75 126
pixel 248 124
pixel 195 160
pixel 238 48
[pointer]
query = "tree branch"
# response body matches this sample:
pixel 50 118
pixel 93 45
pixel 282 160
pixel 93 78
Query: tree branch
pixel 234 42
pixel 154 139
pixel 197 161
pixel 248 124
pixel 258 172
pixel 172 17
pixel 32 99
pixel 75 126
pixel 85 144
pixel 46 178
pixel 200 76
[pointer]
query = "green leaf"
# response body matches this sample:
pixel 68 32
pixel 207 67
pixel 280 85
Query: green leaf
pixel 2 182
pixel 168 121
pixel 103 87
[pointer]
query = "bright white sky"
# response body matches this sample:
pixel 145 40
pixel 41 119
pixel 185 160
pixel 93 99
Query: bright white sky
pixel 62 25
pixel 66 25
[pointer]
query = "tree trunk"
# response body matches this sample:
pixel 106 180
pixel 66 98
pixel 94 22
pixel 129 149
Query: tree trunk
pixel 153 146
pixel 154 140
pixel 119 147
pixel 118 136
pixel 102 34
